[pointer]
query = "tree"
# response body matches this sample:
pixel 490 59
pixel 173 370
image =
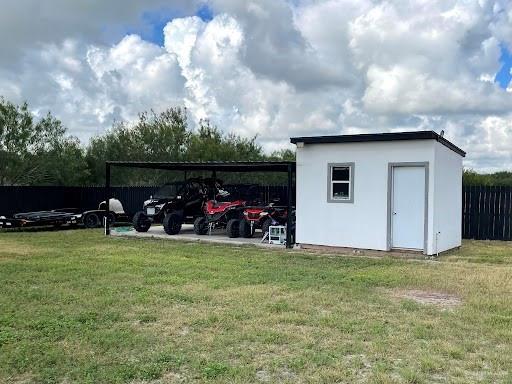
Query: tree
pixel 37 152
pixel 210 144
pixel 164 137
pixel 470 177
pixel 283 155
pixel 153 137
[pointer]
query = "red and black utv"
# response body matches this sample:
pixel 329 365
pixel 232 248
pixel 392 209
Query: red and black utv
pixel 220 215
pixel 262 218
pixel 225 214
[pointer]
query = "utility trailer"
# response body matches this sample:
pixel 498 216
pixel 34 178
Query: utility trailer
pixel 68 216
pixel 54 218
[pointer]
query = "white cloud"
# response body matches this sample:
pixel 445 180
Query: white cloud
pixel 89 87
pixel 488 141
pixel 407 90
pixel 25 24
pixel 277 69
pixel 220 86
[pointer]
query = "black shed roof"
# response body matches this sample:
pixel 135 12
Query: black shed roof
pixel 392 136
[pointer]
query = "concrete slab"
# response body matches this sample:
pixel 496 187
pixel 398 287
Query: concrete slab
pixel 187 234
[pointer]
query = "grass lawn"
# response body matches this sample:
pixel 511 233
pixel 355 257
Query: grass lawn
pixel 78 307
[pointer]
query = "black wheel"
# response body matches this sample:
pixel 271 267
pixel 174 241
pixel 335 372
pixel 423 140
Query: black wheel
pixel 200 226
pixel 172 223
pixel 141 222
pixel 91 220
pixel 245 229
pixel 266 225
pixel 111 217
pixel 233 228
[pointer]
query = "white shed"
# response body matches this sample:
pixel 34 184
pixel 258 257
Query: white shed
pixel 381 191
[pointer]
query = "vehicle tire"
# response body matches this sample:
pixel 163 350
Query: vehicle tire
pixel 91 220
pixel 266 225
pixel 172 223
pixel 141 222
pixel 200 226
pixel 111 217
pixel 245 229
pixel 233 228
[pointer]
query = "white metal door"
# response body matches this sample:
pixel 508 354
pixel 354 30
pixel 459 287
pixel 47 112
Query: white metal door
pixel 408 207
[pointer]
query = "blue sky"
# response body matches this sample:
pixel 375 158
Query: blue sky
pixel 503 76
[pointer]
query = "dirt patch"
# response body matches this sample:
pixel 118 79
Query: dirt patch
pixel 283 375
pixel 440 299
pixel 167 378
pixel 24 378
pixel 263 376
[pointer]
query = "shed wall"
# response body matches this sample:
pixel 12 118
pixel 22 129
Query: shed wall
pixel 363 223
pixel 447 199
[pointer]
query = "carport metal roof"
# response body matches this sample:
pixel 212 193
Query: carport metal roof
pixel 214 166
pixel 222 166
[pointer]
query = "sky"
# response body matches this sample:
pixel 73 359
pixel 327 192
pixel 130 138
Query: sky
pixel 271 68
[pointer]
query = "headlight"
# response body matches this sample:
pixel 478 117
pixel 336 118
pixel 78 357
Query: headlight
pixel 263 213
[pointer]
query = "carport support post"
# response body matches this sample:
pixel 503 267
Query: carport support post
pixel 214 177
pixel 289 210
pixel 107 198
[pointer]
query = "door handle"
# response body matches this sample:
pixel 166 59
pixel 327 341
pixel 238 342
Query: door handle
pixel 394 213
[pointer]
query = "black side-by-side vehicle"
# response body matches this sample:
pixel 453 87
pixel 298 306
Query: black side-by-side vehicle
pixel 175 204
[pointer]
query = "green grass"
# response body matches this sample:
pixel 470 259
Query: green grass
pixel 78 307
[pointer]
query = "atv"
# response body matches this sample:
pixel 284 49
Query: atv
pixel 174 204
pixel 220 215
pixel 225 214
pixel 261 218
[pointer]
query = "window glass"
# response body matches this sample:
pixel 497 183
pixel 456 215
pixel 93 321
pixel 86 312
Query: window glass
pixel 340 174
pixel 340 190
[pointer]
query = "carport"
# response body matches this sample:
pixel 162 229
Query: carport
pixel 287 167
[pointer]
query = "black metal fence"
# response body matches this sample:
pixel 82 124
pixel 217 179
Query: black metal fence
pixel 486 210
pixel 487 213
pixel 26 199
